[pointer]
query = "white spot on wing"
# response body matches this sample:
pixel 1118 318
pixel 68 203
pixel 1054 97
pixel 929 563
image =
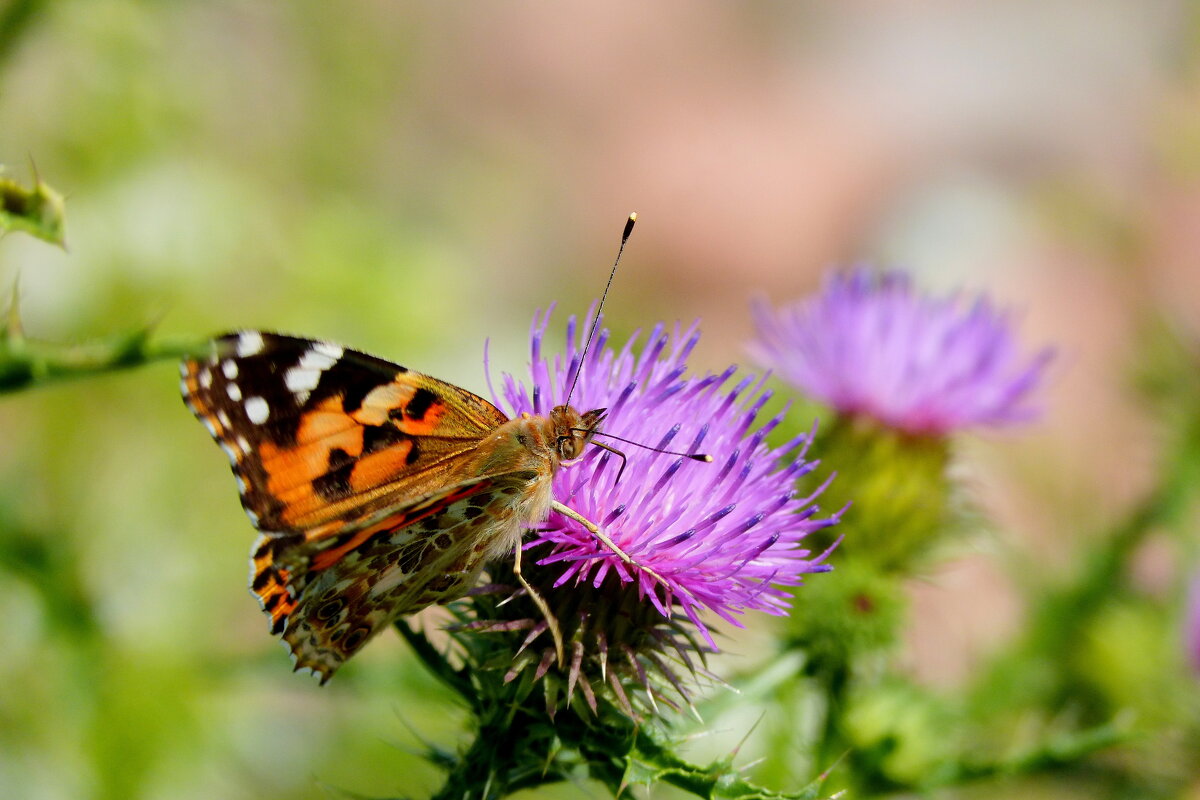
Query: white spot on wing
pixel 257 410
pixel 322 356
pixel 205 378
pixel 242 443
pixel 223 418
pixel 234 391
pixel 208 423
pixel 249 343
pixel 230 368
pixel 301 381
pixel 327 349
pixel 304 377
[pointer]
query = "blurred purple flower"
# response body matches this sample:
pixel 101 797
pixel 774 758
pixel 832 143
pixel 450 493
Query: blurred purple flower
pixel 870 345
pixel 724 536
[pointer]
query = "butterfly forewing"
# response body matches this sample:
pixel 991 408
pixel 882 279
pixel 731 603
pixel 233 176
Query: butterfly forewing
pixel 318 434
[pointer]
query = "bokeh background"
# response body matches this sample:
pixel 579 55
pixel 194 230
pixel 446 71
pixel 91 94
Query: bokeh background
pixel 413 179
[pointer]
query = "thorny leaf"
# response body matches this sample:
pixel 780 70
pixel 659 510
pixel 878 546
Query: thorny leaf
pixel 649 762
pixel 38 210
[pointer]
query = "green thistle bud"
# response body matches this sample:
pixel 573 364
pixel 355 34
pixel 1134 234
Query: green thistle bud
pixel 897 484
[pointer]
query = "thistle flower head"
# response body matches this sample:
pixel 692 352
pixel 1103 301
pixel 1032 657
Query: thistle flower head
pixel 723 537
pixel 870 345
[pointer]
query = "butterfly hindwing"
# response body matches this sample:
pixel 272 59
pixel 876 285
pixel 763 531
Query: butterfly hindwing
pixel 341 591
pixel 320 436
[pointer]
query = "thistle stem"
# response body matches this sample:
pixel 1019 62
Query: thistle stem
pixel 25 364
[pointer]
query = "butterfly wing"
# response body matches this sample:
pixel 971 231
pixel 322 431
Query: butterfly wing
pixel 355 469
pixel 320 436
pixel 431 551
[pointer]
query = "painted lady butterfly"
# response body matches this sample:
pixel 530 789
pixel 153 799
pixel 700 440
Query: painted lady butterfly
pixel 378 490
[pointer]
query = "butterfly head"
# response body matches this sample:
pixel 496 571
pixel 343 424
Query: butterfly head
pixel 572 430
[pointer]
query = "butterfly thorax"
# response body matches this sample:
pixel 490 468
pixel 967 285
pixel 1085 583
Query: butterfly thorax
pixel 538 443
pixel 526 452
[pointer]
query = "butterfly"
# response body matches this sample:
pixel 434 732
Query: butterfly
pixel 378 490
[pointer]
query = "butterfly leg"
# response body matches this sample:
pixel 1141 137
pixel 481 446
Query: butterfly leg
pixel 594 529
pixel 540 602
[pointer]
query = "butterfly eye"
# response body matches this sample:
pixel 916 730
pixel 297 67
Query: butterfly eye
pixel 569 446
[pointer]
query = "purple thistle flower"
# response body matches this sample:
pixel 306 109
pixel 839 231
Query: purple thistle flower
pixel 870 345
pixel 724 536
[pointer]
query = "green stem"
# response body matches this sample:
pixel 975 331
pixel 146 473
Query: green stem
pixel 834 684
pixel 14 20
pixel 474 776
pixel 1066 751
pixel 26 364
pixel 1062 620
pixel 434 661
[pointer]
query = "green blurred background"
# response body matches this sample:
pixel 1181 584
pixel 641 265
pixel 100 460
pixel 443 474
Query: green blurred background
pixel 412 179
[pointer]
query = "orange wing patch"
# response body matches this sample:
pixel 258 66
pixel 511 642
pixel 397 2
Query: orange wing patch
pixel 415 408
pixel 401 441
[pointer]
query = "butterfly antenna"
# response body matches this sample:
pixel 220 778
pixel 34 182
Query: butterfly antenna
pixel 596 319
pixel 705 457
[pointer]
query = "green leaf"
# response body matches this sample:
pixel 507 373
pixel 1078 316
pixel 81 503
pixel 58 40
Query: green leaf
pixel 38 211
pixel 649 762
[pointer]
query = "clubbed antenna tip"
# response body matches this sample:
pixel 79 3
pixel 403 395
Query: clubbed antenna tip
pixel 596 319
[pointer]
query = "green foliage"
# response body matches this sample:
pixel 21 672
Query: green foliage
pixel 855 616
pixel 518 746
pixel 38 210
pixel 25 363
